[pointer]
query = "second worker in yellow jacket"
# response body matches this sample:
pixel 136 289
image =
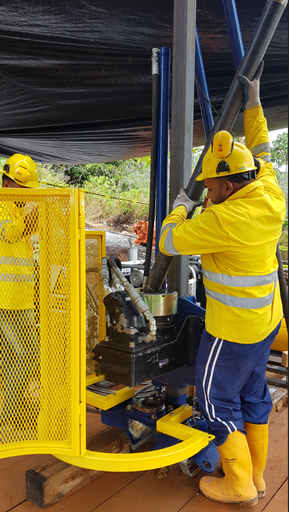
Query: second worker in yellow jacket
pixel 19 343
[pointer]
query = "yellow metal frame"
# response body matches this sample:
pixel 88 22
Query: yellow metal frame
pixel 92 379
pixel 107 402
pixel 192 442
pixel 92 235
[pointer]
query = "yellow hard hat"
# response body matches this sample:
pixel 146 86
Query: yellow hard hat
pixel 22 169
pixel 226 157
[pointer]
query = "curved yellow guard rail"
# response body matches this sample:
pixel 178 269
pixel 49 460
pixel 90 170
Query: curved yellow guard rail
pixel 192 442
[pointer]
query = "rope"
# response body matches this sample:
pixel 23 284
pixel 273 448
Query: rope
pixel 95 193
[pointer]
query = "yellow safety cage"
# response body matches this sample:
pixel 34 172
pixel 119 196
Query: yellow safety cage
pixel 51 319
pixel 42 255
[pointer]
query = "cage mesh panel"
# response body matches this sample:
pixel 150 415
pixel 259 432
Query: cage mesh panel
pixel 93 265
pixel 35 257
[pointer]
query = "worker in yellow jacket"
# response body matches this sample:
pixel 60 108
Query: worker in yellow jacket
pixel 236 237
pixel 18 221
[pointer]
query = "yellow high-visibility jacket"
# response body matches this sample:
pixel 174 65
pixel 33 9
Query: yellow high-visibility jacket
pixel 16 259
pixel 237 242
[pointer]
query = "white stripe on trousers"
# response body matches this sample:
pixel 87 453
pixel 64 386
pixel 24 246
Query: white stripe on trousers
pixel 206 391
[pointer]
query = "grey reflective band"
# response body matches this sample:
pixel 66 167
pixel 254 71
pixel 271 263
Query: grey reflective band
pixel 241 302
pixel 266 158
pixel 241 281
pixel 168 243
pixel 261 148
pixel 9 260
pixel 14 278
pixel 163 229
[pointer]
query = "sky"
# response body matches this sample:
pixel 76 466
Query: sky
pixel 273 135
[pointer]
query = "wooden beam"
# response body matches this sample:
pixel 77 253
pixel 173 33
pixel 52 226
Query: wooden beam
pixel 285 358
pixel 54 480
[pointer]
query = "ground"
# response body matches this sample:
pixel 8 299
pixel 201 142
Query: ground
pixel 118 239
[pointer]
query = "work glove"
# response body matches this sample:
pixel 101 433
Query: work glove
pixel 252 88
pixel 183 199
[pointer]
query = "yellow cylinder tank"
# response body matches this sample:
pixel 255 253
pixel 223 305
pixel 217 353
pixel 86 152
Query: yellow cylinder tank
pixel 281 341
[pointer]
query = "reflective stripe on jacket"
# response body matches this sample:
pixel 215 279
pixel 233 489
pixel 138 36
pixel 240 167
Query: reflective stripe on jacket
pixel 16 259
pixel 237 242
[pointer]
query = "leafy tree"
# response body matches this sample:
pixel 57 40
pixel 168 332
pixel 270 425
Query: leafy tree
pixel 74 174
pixel 279 157
pixel 196 155
pixel 2 162
pixel 122 175
pixel 279 150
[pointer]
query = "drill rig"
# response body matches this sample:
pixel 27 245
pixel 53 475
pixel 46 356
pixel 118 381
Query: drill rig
pixel 153 334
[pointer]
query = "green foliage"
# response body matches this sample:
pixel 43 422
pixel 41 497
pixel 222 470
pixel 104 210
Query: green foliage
pixel 279 150
pixel 106 205
pixel 279 158
pixel 283 244
pixel 107 186
pixel 74 175
pixel 47 174
pixel 2 162
pixel 123 173
pixel 196 155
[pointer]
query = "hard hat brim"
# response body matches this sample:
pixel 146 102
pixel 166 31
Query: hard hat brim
pixel 201 177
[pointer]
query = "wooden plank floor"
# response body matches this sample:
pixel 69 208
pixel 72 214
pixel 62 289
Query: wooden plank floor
pixel 154 491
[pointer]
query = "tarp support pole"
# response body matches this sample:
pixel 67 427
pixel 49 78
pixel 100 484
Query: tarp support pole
pixel 163 143
pixel 202 90
pixel 183 71
pixel 234 30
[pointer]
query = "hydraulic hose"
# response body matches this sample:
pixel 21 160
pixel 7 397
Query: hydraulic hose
pixel 253 56
pixel 154 155
pixel 135 297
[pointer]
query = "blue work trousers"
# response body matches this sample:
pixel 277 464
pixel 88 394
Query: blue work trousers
pixel 230 384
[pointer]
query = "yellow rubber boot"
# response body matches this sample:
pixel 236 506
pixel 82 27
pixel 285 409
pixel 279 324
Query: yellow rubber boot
pixel 237 484
pixel 257 439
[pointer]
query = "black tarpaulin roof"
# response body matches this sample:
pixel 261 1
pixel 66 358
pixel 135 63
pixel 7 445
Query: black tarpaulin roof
pixel 75 75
